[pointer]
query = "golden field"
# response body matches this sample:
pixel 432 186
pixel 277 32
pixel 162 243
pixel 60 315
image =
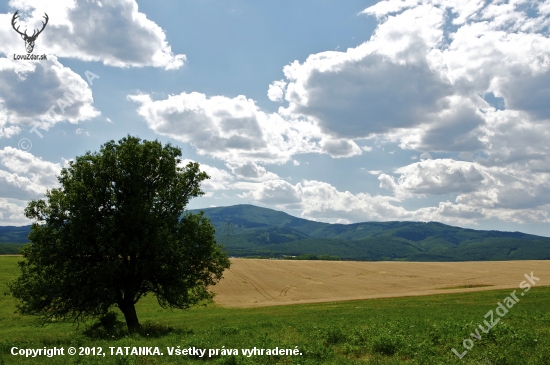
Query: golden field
pixel 256 282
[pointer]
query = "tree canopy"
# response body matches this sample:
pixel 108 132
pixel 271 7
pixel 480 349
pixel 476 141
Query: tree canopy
pixel 116 230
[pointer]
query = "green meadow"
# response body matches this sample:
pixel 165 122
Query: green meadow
pixel 409 330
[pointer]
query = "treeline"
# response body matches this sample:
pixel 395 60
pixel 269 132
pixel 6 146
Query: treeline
pixel 10 248
pixel 300 257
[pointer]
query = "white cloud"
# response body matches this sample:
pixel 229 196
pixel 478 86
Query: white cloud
pixel 21 162
pixel 110 31
pixel 419 81
pixel 41 94
pixel 251 171
pixel 495 191
pixel 424 80
pixel 452 213
pixel 235 129
pixel 321 201
pixel 437 177
pixel 276 192
pixel 276 90
pixel 510 190
pixel 219 179
pixel 425 156
pixel 12 212
pixel 338 148
pixel 383 84
pixel 19 187
pixel 24 176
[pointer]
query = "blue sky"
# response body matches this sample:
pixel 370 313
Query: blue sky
pixel 334 111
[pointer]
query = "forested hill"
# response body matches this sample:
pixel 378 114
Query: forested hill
pixel 248 230
pixel 12 238
pixel 255 231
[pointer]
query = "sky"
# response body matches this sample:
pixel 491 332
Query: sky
pixel 335 111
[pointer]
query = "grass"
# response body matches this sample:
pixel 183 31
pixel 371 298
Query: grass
pixel 409 330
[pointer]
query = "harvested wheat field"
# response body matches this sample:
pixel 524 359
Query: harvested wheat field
pixel 253 282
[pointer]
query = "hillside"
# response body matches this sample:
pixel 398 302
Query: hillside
pixel 12 239
pixel 256 231
pixel 14 234
pixel 248 231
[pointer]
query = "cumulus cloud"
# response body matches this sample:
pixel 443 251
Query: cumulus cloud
pixel 40 94
pixel 364 94
pixel 277 192
pixel 421 80
pixel 340 147
pixel 421 77
pixel 110 31
pixel 510 190
pixel 383 84
pixel 23 177
pixel 444 176
pixel 452 213
pixel 495 191
pixel 276 90
pixel 219 179
pixel 466 79
pixel 251 171
pixel 425 156
pixel 321 201
pixel 12 212
pixel 235 129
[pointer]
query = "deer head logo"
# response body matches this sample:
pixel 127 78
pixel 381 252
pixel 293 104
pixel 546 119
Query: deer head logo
pixel 29 40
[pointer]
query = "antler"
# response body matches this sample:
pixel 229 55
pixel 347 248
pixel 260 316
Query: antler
pixel 13 19
pixel 34 34
pixel 43 26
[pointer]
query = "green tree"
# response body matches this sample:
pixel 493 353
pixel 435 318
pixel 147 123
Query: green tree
pixel 115 231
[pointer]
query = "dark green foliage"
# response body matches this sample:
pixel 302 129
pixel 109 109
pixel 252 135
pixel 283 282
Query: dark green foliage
pixel 114 232
pixel 386 343
pixel 10 248
pixel 334 335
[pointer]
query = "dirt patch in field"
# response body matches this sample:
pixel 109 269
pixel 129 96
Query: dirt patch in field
pixel 252 282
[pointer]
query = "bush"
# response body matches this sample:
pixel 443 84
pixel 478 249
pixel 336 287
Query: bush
pixel 334 335
pixel 386 344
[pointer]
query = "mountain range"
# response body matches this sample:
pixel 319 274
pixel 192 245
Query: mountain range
pixel 251 231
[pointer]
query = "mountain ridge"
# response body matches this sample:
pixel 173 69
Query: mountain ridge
pixel 257 231
pixel 251 231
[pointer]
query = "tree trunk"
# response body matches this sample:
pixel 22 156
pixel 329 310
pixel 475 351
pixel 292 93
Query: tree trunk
pixel 130 315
